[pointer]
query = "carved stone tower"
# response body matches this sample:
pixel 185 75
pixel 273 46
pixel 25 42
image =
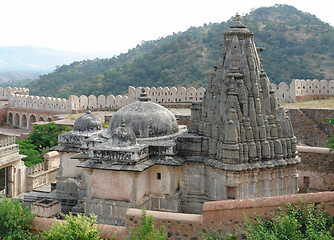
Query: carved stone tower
pixel 239 127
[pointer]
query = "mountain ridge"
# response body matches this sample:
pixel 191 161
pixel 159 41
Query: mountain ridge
pixel 298 45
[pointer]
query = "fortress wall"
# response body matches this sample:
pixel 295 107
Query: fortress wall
pixel 300 89
pixel 168 95
pixel 218 216
pixel 5 92
pixel 310 126
pixel 19 97
pixel 40 224
pixel 316 171
pixel 224 216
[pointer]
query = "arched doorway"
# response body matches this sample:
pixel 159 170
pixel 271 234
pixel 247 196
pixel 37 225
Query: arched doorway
pixel 41 119
pixel 17 120
pixel 10 119
pixel 24 121
pixel 49 119
pixel 32 119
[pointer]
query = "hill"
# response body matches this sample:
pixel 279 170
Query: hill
pixel 297 45
pixel 28 62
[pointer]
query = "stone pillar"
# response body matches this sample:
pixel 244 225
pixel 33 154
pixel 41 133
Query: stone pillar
pixel 134 187
pixel 10 181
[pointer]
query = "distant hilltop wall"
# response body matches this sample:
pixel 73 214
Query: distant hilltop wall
pixel 5 92
pixel 20 98
pixel 299 89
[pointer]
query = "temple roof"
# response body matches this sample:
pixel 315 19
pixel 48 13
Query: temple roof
pixel 239 112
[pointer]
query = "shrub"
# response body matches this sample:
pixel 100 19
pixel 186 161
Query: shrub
pixel 15 221
pixel 78 227
pixel 330 142
pixel 146 231
pixel 300 221
pixel 206 235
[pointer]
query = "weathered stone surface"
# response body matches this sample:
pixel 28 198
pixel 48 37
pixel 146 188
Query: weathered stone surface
pixel 87 123
pixel 248 112
pixel 145 118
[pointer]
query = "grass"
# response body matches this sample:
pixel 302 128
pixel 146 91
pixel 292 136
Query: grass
pixel 327 103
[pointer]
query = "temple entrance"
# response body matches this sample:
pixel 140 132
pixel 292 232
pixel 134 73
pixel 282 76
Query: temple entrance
pixel 3 181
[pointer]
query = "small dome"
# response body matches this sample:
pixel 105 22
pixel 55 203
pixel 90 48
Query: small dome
pixel 122 136
pixel 87 123
pixel 145 118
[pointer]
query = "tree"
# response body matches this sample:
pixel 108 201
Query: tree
pixel 39 141
pixel 146 231
pixel 15 221
pixel 304 220
pixel 330 142
pixel 78 227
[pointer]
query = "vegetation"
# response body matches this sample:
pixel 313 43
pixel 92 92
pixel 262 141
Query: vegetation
pixel 330 142
pixel 298 45
pixel 15 221
pixel 39 141
pixel 215 236
pixel 300 221
pixel 146 231
pixel 78 227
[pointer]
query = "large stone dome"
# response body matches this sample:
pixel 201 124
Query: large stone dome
pixel 87 123
pixel 145 118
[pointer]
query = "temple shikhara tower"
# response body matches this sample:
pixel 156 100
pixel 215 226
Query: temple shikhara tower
pixel 240 144
pixel 244 139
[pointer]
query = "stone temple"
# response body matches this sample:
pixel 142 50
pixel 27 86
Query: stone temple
pixel 240 144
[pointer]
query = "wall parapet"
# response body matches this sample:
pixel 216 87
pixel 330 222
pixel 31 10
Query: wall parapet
pixel 218 216
pixel 6 92
pixel 102 102
pixel 308 149
pixel 19 97
pixel 300 88
pixel 7 141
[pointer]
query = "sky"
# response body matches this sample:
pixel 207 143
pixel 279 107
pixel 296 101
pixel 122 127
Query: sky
pixel 110 25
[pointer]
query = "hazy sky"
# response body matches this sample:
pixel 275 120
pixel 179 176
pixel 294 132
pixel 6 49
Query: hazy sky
pixel 110 25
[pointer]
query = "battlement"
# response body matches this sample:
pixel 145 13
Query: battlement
pixel 300 88
pixel 20 98
pixel 74 103
pixel 6 92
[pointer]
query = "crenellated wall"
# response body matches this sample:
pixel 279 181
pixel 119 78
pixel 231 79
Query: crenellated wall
pixel 6 92
pixel 74 103
pixel 168 95
pixel 20 98
pixel 300 89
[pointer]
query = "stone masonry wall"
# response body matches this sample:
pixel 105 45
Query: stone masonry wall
pixel 218 216
pixel 316 170
pixel 310 126
pixel 319 116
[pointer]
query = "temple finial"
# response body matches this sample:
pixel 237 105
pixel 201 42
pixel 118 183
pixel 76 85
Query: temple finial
pixel 143 96
pixel 87 110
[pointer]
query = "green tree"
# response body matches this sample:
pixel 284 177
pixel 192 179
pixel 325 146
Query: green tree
pixel 330 142
pixel 15 221
pixel 78 227
pixel 39 141
pixel 301 221
pixel 146 231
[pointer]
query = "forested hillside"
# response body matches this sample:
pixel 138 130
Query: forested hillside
pixel 297 45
